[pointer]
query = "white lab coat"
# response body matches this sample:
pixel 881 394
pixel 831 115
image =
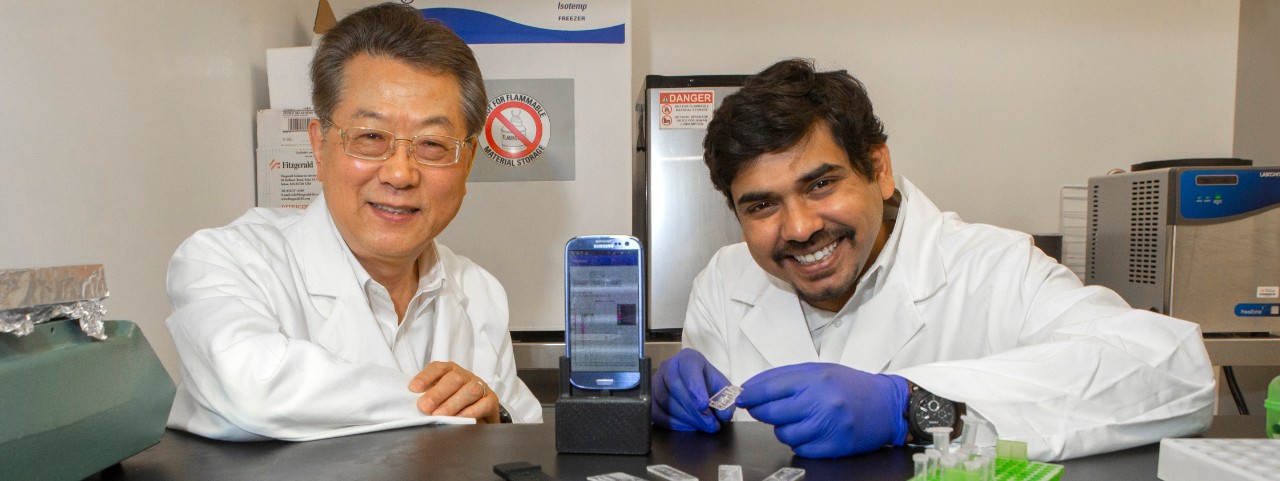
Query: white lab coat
pixel 976 314
pixel 276 338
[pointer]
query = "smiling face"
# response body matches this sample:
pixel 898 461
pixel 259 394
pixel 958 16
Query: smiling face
pixel 809 219
pixel 389 211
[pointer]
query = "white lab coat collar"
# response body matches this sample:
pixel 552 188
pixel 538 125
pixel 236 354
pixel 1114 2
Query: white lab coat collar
pixel 918 260
pixel 319 248
pixel 337 295
pixel 915 273
pixel 347 322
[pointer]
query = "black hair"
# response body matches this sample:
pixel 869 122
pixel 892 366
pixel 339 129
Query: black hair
pixel 778 108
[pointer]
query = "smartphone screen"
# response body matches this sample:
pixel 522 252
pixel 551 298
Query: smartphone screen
pixel 604 325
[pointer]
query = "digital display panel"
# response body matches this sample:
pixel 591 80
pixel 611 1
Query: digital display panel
pixel 1217 180
pixel 604 310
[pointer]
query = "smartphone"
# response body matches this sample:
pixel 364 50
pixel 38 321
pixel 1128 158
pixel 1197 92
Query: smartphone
pixel 604 311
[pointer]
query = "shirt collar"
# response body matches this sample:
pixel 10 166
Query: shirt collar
pixel 430 278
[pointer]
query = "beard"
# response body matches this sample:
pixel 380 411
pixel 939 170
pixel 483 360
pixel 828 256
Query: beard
pixel 832 292
pixel 825 236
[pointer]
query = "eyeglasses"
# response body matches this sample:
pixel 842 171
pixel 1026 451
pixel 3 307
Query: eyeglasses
pixel 375 144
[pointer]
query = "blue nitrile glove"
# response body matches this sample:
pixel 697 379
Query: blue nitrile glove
pixel 682 387
pixel 825 410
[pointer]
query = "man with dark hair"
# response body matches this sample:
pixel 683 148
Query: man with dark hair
pixel 348 317
pixel 857 315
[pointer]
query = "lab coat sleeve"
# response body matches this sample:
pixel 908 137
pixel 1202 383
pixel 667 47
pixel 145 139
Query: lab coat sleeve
pixel 1074 371
pixel 704 328
pixel 241 367
pixel 492 314
pixel 513 393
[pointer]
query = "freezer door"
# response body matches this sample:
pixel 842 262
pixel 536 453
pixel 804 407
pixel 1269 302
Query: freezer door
pixel 685 218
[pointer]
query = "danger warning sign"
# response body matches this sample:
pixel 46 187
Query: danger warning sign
pixel 685 109
pixel 517 130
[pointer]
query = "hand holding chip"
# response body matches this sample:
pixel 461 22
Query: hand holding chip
pixel 682 390
pixel 825 410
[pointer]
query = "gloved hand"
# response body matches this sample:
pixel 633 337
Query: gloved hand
pixel 682 387
pixel 825 410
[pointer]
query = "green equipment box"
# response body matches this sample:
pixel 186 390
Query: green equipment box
pixel 73 405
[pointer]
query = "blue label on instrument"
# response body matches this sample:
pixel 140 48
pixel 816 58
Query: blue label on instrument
pixel 1258 310
pixel 1212 194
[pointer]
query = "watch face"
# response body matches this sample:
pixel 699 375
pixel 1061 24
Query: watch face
pixel 930 411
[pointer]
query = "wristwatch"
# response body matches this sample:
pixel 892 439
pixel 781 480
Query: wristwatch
pixel 927 410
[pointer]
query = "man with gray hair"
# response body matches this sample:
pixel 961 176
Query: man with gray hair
pixel 349 317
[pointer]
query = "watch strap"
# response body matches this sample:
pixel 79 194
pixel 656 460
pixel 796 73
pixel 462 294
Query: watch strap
pixel 916 434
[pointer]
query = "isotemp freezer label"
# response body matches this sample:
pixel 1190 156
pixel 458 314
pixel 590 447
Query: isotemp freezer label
pixel 685 109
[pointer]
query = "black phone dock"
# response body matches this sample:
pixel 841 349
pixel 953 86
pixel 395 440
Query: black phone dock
pixel 603 422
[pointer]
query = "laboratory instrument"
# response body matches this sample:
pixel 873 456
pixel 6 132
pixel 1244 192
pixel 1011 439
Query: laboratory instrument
pixel 618 476
pixel 81 394
pixel 786 474
pixel 604 405
pixel 1197 459
pixel 729 472
pixel 1272 405
pixel 1192 241
pixel 1007 461
pixel 604 311
pixel 669 473
pixel 724 398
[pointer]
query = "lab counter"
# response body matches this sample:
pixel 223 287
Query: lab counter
pixel 470 452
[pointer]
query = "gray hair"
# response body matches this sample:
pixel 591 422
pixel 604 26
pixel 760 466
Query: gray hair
pixel 398 32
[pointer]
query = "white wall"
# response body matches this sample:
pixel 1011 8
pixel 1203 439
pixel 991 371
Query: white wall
pixel 1258 82
pixel 124 127
pixel 129 125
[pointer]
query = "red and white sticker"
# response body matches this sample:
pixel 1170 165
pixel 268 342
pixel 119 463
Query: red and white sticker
pixel 685 109
pixel 517 129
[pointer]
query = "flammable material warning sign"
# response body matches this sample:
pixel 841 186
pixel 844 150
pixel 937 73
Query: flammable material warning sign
pixel 685 109
pixel 517 129
pixel 528 133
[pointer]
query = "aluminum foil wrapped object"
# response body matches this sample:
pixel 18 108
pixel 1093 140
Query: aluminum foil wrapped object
pixel 32 296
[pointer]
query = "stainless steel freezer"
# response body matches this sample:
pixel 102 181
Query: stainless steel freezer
pixel 679 216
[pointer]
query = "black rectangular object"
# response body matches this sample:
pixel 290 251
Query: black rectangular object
pixel 521 471
pixel 603 422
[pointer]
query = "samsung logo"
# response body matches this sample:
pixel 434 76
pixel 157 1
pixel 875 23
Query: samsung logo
pixel 1270 174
